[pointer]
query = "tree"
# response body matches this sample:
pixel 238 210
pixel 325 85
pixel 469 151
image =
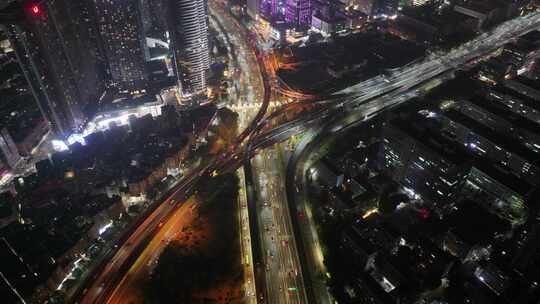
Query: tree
pixel 182 271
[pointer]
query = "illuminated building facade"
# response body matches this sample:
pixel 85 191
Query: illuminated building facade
pixel 188 26
pixel 273 10
pixel 9 154
pixel 419 2
pixel 385 7
pixel 298 12
pixel 121 29
pixel 253 8
pixel 60 60
pixel 418 167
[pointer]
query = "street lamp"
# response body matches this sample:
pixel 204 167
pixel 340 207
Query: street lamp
pixel 35 9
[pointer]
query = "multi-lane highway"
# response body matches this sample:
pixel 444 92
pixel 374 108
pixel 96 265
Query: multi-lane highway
pixel 369 98
pixel 282 279
pixel 284 282
pixel 127 285
pixel 437 63
pixel 121 277
pixel 250 105
pixel 130 289
pixel 106 281
pixel 374 95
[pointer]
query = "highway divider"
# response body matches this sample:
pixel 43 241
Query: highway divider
pixel 256 251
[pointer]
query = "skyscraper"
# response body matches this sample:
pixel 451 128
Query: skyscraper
pixel 377 7
pixel 298 12
pixel 8 150
pixel 121 30
pixel 188 26
pixel 56 61
pixel 86 53
pixel 253 8
pixel 385 7
pixel 274 7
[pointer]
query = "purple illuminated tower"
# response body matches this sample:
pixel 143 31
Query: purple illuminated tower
pixel 298 12
pixel 274 7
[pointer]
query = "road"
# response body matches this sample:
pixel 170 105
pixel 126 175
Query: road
pixel 379 93
pixel 370 97
pixel 305 225
pixel 250 290
pixel 278 278
pixel 251 105
pixel 154 233
pixel 131 287
pixel 439 63
pixel 284 282
pixel 105 282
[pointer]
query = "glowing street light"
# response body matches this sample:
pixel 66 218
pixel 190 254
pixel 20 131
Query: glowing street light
pixel 35 9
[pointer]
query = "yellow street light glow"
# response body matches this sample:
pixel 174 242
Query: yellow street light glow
pixel 370 212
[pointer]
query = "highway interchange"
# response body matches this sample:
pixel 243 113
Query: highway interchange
pixel 364 100
pixel 379 93
pixel 283 282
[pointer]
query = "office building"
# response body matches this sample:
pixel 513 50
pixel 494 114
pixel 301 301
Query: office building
pixel 377 8
pixel 254 8
pixel 272 8
pixel 9 154
pixel 517 161
pixel 385 7
pixel 298 12
pixel 418 167
pixel 328 20
pixel 121 30
pixel 364 6
pixel 86 54
pixel 59 58
pixel 146 15
pixel 188 27
pixel 495 196
pixel 417 2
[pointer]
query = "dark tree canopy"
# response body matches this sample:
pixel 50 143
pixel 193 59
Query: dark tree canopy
pixel 182 271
